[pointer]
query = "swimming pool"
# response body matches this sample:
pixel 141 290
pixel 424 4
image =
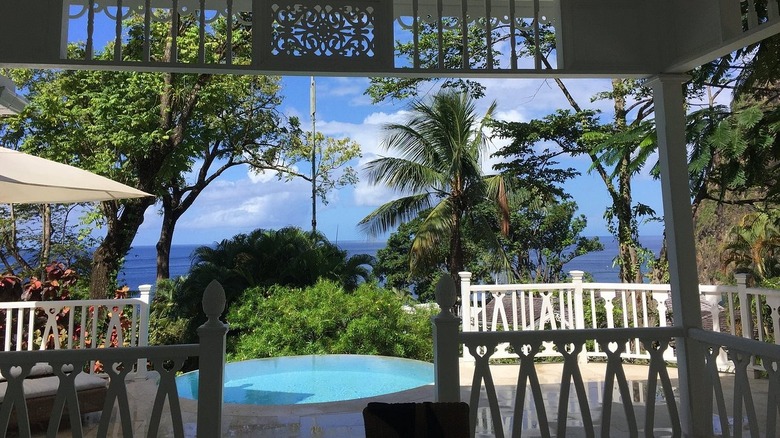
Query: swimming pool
pixel 294 380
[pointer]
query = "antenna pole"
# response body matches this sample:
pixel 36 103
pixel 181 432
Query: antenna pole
pixel 313 108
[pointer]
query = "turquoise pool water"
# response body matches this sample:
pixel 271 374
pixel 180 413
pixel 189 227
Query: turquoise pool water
pixel 313 379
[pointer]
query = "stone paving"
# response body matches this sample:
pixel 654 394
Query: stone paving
pixel 344 419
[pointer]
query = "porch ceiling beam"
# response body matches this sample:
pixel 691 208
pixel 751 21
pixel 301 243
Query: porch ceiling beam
pixel 592 38
pixel 747 39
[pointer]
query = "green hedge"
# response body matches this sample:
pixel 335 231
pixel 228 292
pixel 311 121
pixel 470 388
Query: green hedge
pixel 325 319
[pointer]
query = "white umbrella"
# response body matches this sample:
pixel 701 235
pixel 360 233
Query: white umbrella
pixel 27 179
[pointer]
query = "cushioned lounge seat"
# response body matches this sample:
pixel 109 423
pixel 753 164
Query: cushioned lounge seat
pixel 40 391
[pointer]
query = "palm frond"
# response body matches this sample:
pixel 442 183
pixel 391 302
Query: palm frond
pixel 438 225
pixel 390 214
pixel 403 175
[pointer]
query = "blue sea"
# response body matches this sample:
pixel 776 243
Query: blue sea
pixel 140 265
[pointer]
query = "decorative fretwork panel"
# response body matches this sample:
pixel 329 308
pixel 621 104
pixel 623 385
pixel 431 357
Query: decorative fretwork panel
pixel 313 35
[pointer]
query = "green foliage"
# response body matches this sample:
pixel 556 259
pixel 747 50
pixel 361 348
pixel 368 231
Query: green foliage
pixel 440 148
pixel 264 258
pixel 617 150
pixel 165 326
pixel 167 134
pixel 332 158
pixel 326 319
pixel 542 238
pixel 754 245
pixel 27 246
pixel 545 237
pixel 393 261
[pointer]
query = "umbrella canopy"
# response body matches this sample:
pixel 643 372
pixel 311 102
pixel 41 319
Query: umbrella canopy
pixel 27 179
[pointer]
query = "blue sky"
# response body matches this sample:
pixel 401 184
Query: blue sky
pixel 240 202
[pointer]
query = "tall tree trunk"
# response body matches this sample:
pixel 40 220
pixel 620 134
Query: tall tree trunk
pixel 165 241
pixel 116 244
pixel 660 271
pixel 45 239
pixel 627 245
pixel 456 263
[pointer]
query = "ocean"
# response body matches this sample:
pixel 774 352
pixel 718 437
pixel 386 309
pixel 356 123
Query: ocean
pixel 140 264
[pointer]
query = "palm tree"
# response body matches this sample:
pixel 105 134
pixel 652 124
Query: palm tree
pixel 754 244
pixel 439 167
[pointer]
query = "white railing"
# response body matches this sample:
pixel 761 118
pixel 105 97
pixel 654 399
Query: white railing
pixel 738 310
pixel 76 324
pixel 574 408
pixel 166 361
pixel 606 405
pixel 357 35
pixel 722 388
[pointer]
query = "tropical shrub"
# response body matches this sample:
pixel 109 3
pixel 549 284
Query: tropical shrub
pixel 260 260
pixel 326 319
pixel 165 327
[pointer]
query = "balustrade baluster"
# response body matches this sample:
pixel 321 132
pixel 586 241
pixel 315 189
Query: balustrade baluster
pixel 30 328
pixel 89 48
pixel 147 52
pixel 752 15
pixel 773 301
pixel 118 32
pixel 8 325
pixel 464 30
pixel 229 36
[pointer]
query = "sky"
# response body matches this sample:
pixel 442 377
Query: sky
pixel 240 201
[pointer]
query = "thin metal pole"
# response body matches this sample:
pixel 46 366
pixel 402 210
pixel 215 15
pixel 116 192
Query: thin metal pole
pixel 313 108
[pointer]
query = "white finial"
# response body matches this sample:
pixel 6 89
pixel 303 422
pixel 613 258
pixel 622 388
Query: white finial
pixel 213 302
pixel 445 293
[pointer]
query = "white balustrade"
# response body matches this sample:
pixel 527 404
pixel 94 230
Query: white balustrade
pixel 592 406
pixel 71 359
pixel 77 324
pixel 585 407
pixel 752 313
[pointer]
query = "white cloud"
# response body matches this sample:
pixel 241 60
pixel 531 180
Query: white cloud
pixel 368 195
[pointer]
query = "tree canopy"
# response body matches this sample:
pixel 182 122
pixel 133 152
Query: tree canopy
pixel 439 168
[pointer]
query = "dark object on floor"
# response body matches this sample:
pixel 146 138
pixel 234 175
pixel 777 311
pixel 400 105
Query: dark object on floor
pixel 417 420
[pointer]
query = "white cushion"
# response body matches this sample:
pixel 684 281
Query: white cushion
pixel 38 370
pixel 47 386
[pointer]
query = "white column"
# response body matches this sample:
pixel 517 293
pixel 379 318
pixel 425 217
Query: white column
pixel 745 313
pixel 211 362
pixel 466 312
pixel 579 310
pixel 670 125
pixel 143 326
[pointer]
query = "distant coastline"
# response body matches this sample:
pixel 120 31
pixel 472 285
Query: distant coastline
pixel 140 264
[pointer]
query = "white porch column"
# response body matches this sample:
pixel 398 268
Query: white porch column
pixel 670 125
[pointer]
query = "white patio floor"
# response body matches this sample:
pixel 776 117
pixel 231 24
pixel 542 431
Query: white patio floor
pixel 344 419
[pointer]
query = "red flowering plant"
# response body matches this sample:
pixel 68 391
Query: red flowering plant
pixel 56 285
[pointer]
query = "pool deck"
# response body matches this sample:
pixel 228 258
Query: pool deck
pixel 344 419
